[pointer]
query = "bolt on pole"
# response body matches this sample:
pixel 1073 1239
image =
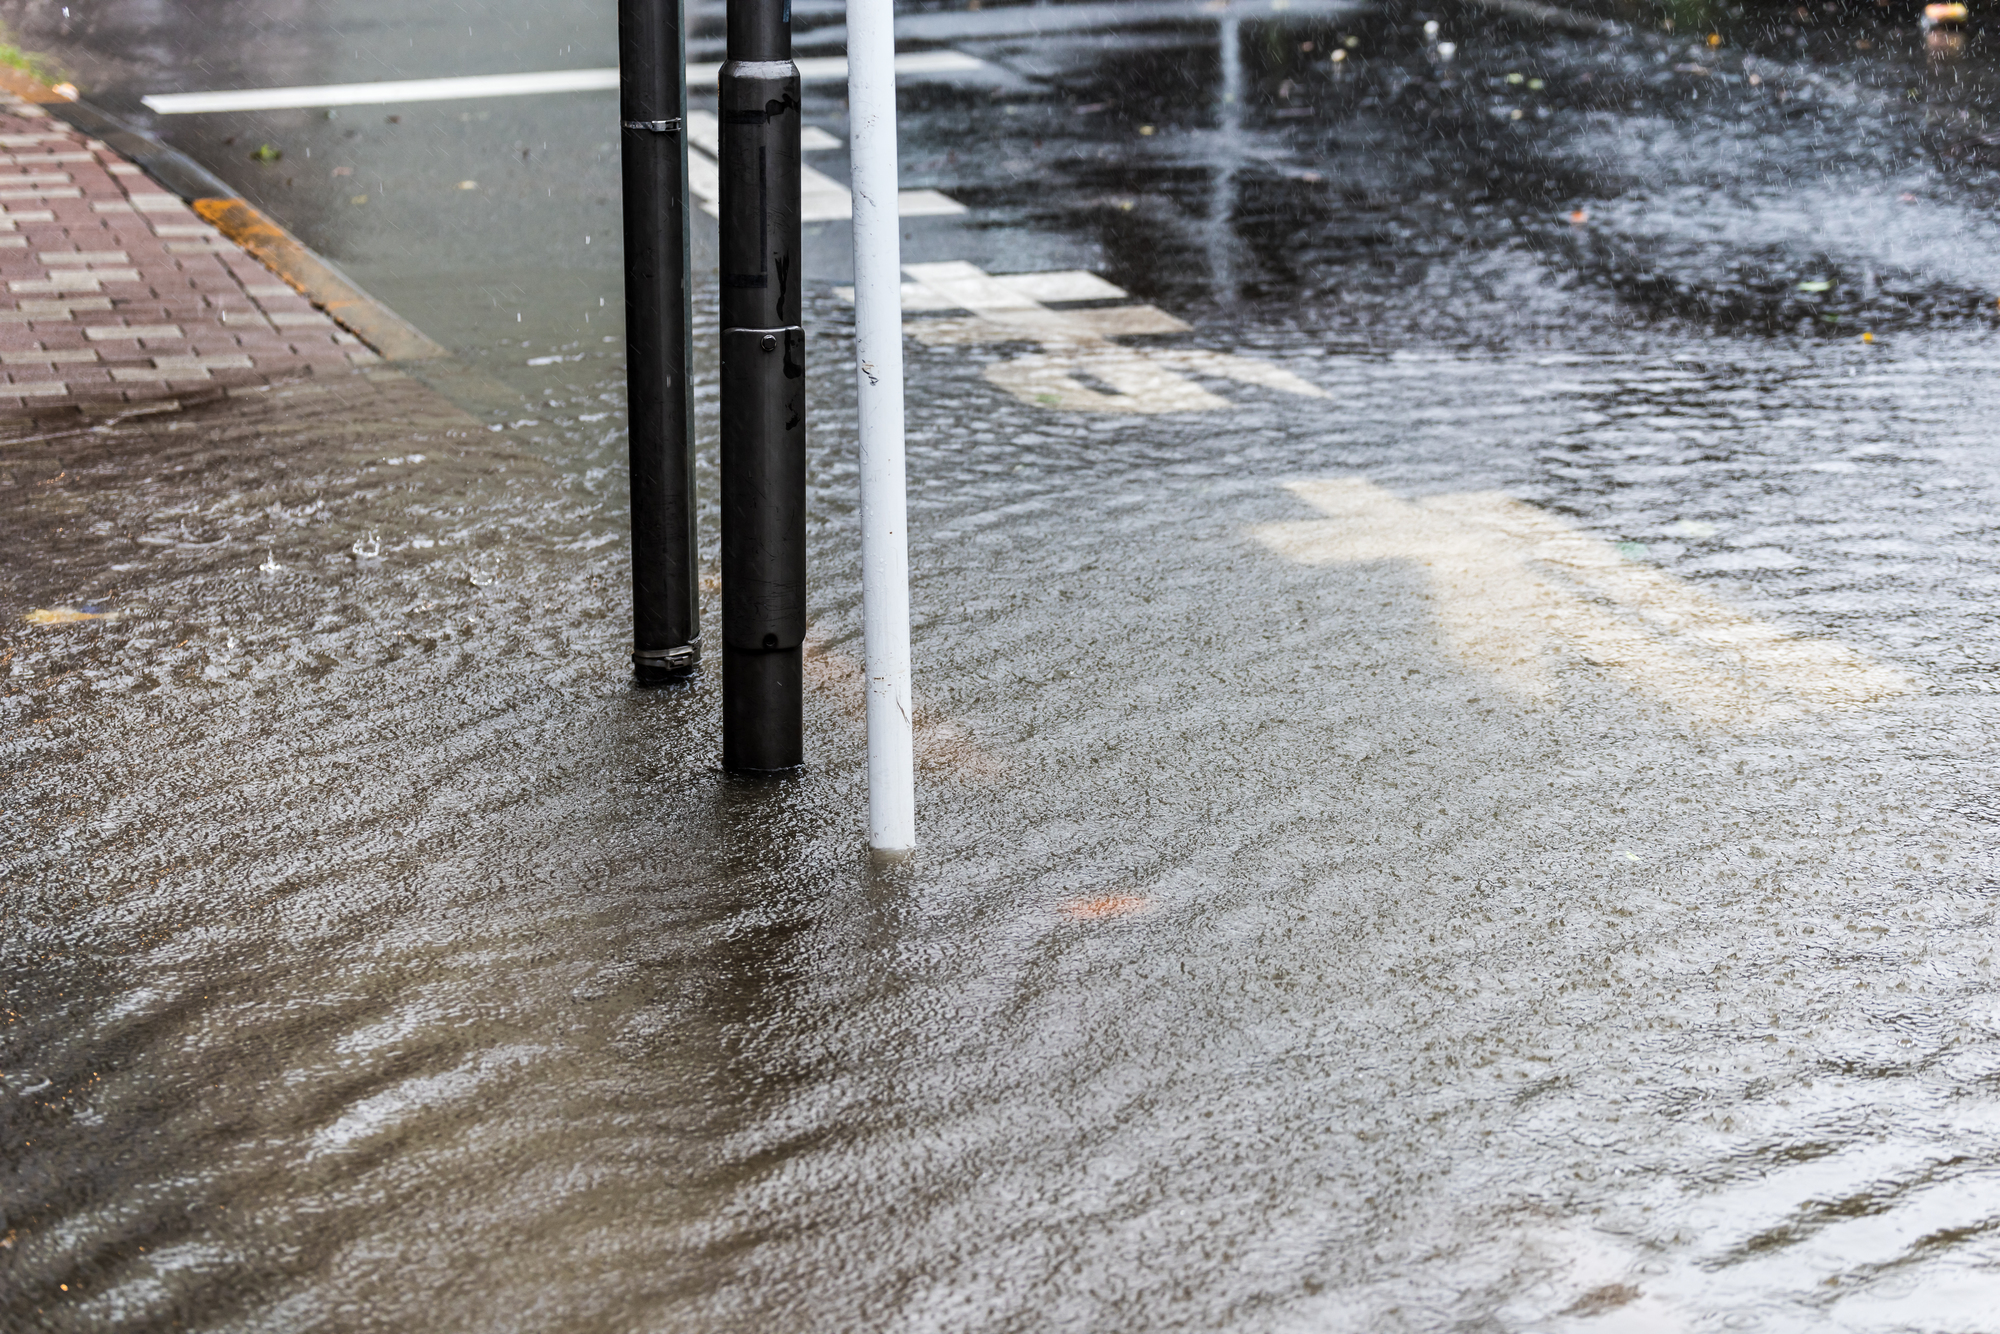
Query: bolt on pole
pixel 652 103
pixel 878 382
pixel 763 394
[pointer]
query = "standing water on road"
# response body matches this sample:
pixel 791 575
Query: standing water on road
pixel 1453 559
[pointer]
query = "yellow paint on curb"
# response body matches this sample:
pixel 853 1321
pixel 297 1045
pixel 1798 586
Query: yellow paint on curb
pixel 316 280
pixel 31 89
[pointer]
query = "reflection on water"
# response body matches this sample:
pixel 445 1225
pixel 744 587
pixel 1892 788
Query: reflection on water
pixel 1228 153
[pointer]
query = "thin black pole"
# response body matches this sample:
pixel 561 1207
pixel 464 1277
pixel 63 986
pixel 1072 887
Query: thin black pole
pixel 666 599
pixel 763 395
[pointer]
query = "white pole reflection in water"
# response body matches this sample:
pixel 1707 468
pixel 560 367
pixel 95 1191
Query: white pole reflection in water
pixel 1220 235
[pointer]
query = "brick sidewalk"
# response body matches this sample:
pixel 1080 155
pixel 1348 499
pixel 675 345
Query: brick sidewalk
pixel 117 293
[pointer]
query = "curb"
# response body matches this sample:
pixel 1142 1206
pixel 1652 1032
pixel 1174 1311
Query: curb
pixel 391 336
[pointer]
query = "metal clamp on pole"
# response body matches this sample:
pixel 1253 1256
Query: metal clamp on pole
pixel 668 661
pixel 666 598
pixel 763 394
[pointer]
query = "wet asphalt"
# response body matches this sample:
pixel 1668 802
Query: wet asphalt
pixel 1491 827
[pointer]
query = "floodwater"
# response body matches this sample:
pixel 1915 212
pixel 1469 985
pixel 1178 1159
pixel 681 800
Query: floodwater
pixel 1456 793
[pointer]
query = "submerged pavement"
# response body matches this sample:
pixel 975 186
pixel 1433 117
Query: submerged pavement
pixel 1455 753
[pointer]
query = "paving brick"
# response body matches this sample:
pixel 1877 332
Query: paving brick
pixel 66 308
pixel 206 362
pixel 122 331
pixel 46 356
pixel 61 281
pixel 115 257
pixel 112 290
pixel 249 332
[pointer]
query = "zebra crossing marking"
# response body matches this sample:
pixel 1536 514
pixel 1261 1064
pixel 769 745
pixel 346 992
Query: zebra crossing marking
pixel 821 198
pixel 1075 346
pixel 1524 594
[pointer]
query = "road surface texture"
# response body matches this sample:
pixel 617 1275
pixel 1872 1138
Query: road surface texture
pixel 1457 672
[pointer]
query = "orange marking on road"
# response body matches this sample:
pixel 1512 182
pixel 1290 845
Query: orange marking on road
pixel 1107 905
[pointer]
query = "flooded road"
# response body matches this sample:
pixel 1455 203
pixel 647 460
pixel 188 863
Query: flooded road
pixel 1455 747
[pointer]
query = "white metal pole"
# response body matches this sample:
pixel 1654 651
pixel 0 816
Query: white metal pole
pixel 878 357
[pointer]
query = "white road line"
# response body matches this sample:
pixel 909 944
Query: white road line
pixel 1067 285
pixel 392 90
pixel 822 198
pixel 813 69
pixel 920 204
pixel 1526 596
pixel 1076 344
pixel 704 131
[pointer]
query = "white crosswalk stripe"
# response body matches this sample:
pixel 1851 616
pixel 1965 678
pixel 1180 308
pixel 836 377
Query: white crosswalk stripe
pixel 1526 596
pixel 1075 345
pixel 822 198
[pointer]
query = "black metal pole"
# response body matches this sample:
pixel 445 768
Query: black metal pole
pixel 652 100
pixel 763 395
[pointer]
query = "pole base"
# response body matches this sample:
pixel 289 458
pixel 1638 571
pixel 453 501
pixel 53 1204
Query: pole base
pixel 665 666
pixel 763 709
